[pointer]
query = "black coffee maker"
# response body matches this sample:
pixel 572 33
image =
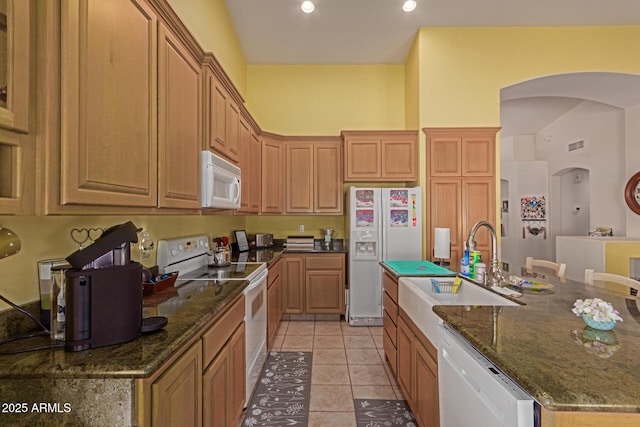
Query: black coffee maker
pixel 103 292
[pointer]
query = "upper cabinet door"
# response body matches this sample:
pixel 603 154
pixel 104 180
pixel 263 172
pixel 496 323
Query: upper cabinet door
pixel 299 177
pixel 15 64
pixel 362 158
pixel 179 123
pixel 255 173
pixel 399 158
pixel 108 103
pixel 444 156
pixel 273 165
pixel 478 155
pixel 384 156
pixel 327 177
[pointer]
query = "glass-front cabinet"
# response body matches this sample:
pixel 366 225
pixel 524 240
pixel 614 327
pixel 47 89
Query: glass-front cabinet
pixel 16 139
pixel 15 49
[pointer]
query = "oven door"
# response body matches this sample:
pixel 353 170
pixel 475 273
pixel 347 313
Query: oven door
pixel 255 318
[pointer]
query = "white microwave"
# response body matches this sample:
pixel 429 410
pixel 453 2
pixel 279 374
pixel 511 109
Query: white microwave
pixel 220 186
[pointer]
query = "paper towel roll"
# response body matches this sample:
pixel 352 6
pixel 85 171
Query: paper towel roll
pixel 442 243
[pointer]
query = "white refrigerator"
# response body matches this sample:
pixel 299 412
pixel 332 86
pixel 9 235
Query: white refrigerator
pixel 384 224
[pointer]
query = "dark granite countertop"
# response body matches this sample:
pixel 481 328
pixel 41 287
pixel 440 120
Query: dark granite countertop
pixel 550 352
pixel 135 359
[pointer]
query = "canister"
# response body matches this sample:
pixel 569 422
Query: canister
pixel 480 272
pixel 474 258
pixel 58 302
pixel 44 280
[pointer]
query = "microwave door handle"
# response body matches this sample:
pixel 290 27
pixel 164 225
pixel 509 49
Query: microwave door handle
pixel 236 187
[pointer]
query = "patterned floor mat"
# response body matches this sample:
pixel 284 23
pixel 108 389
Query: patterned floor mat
pixel 283 392
pixel 380 412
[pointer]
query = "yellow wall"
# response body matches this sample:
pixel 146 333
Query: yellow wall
pixel 210 24
pixel 463 69
pixel 617 257
pixel 325 99
pixel 283 226
pixel 46 237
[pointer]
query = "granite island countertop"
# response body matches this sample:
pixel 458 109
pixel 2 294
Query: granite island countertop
pixel 139 358
pixel 551 353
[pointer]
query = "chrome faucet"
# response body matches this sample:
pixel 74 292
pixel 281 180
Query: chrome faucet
pixel 495 273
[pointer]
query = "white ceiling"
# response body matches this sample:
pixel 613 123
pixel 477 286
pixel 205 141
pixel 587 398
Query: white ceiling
pixel 379 32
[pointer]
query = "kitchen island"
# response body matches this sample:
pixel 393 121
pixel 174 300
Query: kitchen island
pixel 555 357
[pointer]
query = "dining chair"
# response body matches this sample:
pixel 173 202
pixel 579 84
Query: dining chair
pixel 590 276
pixel 560 269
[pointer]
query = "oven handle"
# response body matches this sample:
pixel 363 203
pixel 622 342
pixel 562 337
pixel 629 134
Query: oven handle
pixel 257 281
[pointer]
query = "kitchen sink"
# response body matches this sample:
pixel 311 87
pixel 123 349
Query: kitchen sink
pixel 468 293
pixel 417 298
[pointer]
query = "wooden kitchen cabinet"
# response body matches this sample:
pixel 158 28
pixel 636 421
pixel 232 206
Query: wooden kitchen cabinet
pixel 108 112
pixel 461 186
pixel 249 156
pixel 380 155
pixel 324 284
pixel 313 175
pixel 244 140
pixel 273 166
pixel 293 275
pixel 418 372
pixel 224 360
pixel 224 383
pixel 177 393
pixel 16 61
pixel 17 130
pixel 203 384
pixel 221 113
pixel 461 151
pixel 127 139
pixel 179 123
pixel 274 301
pixel 314 283
pixel 390 320
pixel 255 172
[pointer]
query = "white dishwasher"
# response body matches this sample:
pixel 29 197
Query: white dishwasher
pixel 474 392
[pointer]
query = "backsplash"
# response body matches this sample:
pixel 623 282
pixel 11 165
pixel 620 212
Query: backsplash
pixel 45 237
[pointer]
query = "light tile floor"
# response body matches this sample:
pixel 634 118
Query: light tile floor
pixel 348 364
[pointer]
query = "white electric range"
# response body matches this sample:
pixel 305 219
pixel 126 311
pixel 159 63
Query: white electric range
pixel 189 257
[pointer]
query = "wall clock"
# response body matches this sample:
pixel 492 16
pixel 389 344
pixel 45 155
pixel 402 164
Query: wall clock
pixel 632 193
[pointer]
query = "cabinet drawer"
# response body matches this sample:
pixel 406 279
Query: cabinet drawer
pixel 390 286
pixel 390 308
pixel 274 272
pixel 324 262
pixel 389 327
pixel 390 352
pixel 218 334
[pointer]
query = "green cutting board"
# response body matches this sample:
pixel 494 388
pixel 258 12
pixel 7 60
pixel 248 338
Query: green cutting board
pixel 418 268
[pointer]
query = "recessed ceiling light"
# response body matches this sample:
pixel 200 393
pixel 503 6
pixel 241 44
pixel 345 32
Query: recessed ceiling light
pixel 409 5
pixel 307 6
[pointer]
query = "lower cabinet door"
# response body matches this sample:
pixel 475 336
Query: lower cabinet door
pixel 293 273
pixel 176 394
pixel 405 360
pixel 426 392
pixel 216 397
pixel 238 382
pixel 324 292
